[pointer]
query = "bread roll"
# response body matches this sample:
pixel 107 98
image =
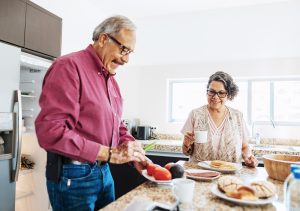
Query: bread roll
pixel 263 189
pixel 244 193
pixel 228 184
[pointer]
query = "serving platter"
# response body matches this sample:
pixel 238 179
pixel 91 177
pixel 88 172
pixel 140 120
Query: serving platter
pixel 152 179
pixel 222 195
pixel 206 165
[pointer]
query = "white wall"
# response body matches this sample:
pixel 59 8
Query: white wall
pixel 238 33
pixel 249 41
pixel 144 88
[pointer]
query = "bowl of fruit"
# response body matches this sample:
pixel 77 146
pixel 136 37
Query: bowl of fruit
pixel 163 174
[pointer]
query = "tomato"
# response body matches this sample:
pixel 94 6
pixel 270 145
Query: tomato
pixel 169 165
pixel 161 173
pixel 151 168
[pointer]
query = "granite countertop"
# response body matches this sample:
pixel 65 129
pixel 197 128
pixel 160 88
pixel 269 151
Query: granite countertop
pixel 203 199
pixel 171 146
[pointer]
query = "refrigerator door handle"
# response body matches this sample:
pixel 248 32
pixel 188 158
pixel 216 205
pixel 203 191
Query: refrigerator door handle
pixel 16 161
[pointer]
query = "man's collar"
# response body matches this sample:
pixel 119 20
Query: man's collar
pixel 98 61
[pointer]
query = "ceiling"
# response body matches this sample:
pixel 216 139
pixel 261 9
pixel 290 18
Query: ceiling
pixel 140 8
pixel 160 22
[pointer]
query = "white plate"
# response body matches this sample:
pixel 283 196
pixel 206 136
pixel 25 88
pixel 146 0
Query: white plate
pixel 152 179
pixel 222 195
pixel 200 171
pixel 206 165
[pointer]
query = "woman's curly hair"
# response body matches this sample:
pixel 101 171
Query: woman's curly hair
pixel 230 86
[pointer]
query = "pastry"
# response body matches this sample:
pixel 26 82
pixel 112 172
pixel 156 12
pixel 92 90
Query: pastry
pixel 223 165
pixel 244 193
pixel 216 163
pixel 228 184
pixel 263 189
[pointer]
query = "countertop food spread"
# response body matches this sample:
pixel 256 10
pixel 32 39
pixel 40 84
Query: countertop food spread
pixel 206 196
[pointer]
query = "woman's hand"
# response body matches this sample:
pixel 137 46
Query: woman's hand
pixel 127 152
pixel 248 157
pixel 251 161
pixel 188 143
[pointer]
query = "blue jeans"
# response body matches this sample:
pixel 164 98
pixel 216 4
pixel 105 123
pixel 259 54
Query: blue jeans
pixel 82 187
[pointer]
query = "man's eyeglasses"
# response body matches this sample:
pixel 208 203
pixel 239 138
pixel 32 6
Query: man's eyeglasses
pixel 124 50
pixel 221 94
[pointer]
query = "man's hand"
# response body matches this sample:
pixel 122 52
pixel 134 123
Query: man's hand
pixel 139 166
pixel 127 152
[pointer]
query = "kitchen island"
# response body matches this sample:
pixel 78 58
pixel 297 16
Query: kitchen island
pixel 203 198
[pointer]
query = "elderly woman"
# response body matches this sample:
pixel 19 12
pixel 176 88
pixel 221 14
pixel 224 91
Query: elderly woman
pixel 227 131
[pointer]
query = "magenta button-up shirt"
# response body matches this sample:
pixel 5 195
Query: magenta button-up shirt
pixel 81 107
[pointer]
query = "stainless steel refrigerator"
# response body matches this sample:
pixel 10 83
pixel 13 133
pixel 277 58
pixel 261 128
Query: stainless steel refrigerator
pixel 10 124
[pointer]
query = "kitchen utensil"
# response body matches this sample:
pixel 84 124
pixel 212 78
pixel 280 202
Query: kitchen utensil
pixel 149 146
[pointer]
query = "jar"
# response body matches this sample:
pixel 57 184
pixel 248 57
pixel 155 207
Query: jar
pixel 291 189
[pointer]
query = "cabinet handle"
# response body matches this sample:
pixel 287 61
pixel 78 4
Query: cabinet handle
pixel 27 109
pixel 27 116
pixel 28 81
pixel 16 161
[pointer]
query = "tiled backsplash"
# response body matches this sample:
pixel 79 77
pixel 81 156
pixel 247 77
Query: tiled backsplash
pixel 268 141
pixel 280 141
pixel 165 136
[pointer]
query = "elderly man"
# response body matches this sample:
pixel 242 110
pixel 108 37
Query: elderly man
pixel 80 123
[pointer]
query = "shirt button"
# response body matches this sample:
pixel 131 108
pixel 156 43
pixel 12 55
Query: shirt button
pixel 115 114
pixel 99 73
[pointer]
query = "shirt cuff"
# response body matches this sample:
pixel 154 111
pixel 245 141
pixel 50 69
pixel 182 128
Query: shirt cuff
pixel 90 151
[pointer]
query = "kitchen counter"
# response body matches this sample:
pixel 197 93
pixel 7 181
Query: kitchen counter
pixel 173 148
pixel 203 198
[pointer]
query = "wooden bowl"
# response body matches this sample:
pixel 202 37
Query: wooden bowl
pixel 278 165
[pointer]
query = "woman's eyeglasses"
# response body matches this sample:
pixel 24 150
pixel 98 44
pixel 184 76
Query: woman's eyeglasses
pixel 124 50
pixel 221 94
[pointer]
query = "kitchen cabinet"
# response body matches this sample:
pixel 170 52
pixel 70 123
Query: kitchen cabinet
pixel 43 31
pixel 125 178
pixel 31 27
pixel 12 21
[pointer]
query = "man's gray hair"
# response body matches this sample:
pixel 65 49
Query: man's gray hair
pixel 113 25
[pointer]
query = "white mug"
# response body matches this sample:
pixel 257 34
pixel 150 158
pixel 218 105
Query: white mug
pixel 200 136
pixel 184 189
